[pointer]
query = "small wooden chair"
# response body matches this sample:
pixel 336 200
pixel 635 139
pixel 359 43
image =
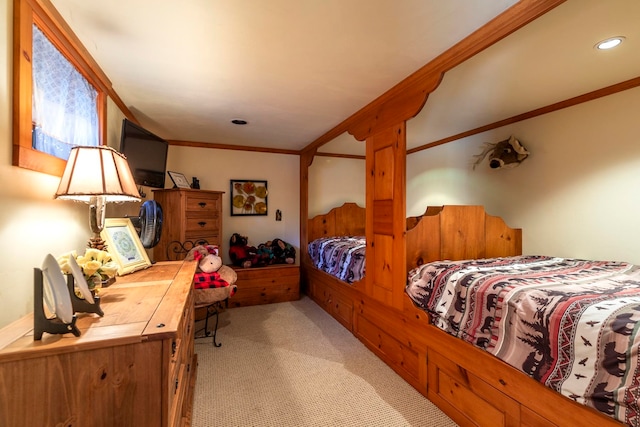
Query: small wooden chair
pixel 177 251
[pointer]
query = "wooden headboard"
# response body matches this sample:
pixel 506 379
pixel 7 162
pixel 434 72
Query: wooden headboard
pixel 452 232
pixel 346 220
pixel 459 232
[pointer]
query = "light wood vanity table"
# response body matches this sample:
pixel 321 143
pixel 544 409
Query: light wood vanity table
pixel 135 366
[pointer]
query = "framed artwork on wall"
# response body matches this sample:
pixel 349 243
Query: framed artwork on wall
pixel 248 197
pixel 124 245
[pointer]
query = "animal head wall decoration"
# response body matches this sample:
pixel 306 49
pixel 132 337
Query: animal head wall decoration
pixel 502 155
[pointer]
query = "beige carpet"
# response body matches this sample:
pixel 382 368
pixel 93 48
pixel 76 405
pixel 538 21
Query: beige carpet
pixel 291 364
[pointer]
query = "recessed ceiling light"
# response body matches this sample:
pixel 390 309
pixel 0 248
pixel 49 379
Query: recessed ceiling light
pixel 239 122
pixel 609 43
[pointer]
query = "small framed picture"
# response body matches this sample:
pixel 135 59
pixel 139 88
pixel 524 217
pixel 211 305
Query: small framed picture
pixel 179 180
pixel 124 245
pixel 248 197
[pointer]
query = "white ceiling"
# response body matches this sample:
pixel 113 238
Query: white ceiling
pixel 294 69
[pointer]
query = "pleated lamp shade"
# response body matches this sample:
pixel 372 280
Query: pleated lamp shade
pixel 97 171
pixel 97 175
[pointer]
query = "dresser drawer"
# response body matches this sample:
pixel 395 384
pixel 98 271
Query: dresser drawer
pixel 180 367
pixel 202 225
pixel 177 392
pixel 341 309
pixel 200 238
pixel 397 353
pixel 204 204
pixel 449 384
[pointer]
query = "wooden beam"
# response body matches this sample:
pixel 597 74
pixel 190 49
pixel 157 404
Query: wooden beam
pixel 609 90
pixel 344 156
pixel 422 81
pixel 599 93
pixel 232 147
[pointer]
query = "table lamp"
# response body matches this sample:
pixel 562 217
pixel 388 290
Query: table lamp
pixel 96 175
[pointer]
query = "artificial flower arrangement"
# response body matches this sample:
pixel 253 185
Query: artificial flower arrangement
pixel 97 265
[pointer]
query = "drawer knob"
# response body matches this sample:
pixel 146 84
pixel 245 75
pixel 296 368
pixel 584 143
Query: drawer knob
pixel 202 223
pixel 202 204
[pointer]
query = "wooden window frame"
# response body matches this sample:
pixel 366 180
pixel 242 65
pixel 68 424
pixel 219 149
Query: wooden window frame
pixel 43 14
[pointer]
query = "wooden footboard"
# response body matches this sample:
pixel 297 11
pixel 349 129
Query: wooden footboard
pixel 473 387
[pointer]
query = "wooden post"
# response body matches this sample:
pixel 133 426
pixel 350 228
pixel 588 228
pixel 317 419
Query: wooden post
pixel 385 215
pixel 306 158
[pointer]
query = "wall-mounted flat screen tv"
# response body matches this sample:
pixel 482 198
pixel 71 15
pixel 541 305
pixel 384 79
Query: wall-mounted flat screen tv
pixel 146 153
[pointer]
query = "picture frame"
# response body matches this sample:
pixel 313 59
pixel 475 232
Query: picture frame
pixel 248 197
pixel 124 245
pixel 179 180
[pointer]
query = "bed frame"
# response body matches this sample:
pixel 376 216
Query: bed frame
pixel 469 385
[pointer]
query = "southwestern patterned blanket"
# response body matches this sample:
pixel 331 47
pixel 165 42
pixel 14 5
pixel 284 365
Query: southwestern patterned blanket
pixel 571 324
pixel 342 257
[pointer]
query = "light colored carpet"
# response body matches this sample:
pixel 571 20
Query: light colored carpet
pixel 291 364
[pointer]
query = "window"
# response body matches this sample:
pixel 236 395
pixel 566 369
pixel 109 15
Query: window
pixel 64 106
pixel 39 30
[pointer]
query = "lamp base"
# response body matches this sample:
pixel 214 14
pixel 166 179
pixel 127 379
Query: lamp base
pixel 97 243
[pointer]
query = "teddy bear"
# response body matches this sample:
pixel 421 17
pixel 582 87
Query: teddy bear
pixel 283 252
pixel 276 251
pixel 241 254
pixel 216 281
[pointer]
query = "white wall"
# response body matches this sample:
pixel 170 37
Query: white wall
pixel 214 169
pixel 575 196
pixel 32 223
pixel 334 181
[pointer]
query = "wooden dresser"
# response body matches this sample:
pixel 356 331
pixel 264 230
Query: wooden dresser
pixel 133 367
pixel 188 215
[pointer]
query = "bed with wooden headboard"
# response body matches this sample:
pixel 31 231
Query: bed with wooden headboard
pixel 471 386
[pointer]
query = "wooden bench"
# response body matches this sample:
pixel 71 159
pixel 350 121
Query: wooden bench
pixel 266 285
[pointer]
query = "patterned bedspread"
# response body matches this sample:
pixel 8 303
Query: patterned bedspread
pixel 341 256
pixel 570 324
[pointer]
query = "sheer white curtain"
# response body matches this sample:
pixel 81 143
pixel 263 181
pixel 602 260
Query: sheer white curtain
pixel 65 110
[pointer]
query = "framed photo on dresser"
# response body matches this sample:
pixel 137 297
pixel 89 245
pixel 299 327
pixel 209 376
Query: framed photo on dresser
pixel 124 245
pixel 179 180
